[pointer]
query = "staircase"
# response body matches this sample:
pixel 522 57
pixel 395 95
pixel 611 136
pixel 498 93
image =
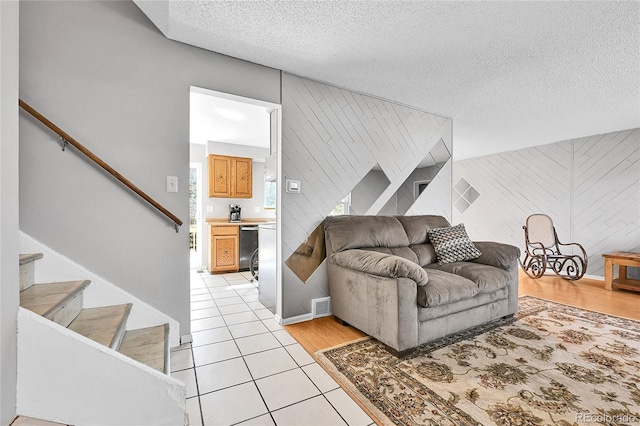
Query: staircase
pixel 99 386
pixel 61 302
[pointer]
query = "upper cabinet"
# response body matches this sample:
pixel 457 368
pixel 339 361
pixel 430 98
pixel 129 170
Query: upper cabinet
pixel 219 176
pixel 241 177
pixel 230 177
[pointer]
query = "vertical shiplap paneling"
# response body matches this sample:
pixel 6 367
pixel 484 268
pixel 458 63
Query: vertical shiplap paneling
pixel 331 139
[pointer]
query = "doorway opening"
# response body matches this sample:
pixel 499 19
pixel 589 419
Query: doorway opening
pixel 241 135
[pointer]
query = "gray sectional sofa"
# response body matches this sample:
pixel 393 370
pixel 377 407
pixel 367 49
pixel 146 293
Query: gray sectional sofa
pixel 384 279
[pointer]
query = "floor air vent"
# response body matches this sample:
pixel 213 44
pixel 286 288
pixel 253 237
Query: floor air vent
pixel 321 307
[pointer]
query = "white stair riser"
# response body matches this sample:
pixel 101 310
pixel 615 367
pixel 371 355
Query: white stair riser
pixel 68 312
pixel 27 275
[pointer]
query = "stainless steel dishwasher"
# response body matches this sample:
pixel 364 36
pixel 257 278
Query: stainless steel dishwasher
pixel 248 244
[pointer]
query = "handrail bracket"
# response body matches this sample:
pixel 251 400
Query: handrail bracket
pixel 64 143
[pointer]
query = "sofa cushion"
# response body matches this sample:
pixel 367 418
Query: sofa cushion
pixel 416 227
pixel 348 232
pixel 404 252
pixel 452 244
pixel 479 299
pixel 424 253
pixel 444 288
pixel 487 278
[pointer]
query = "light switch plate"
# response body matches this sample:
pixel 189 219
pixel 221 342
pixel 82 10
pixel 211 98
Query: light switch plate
pixel 293 186
pixel 172 183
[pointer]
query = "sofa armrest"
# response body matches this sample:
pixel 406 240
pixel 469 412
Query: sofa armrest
pixel 385 308
pixel 499 255
pixel 380 264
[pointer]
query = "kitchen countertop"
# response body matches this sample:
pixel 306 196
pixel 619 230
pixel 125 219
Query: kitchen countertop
pixel 223 221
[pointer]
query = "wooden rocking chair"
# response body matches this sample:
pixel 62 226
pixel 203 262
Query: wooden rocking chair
pixel 543 250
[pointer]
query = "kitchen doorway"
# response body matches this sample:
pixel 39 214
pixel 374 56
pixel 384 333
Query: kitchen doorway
pixel 227 126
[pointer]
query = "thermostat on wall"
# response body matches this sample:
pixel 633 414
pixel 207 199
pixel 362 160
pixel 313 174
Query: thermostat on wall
pixel 293 186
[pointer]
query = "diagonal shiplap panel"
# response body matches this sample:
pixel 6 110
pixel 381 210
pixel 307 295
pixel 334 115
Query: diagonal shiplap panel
pixel 514 185
pixel 331 139
pixel 606 178
pixel 436 198
pixel 589 186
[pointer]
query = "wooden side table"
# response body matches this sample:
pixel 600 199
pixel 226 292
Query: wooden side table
pixel 622 259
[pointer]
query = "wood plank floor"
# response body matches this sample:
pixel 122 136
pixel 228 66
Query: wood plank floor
pixel 324 333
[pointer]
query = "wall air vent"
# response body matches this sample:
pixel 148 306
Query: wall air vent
pixel 321 307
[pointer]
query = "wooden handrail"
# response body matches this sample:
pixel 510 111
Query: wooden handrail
pixel 68 139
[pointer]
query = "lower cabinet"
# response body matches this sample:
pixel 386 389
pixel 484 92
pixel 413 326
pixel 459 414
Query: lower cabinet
pixel 223 253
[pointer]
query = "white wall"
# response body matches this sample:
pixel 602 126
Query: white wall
pixel 9 282
pixel 103 73
pixel 198 154
pixel 589 186
pixel 59 381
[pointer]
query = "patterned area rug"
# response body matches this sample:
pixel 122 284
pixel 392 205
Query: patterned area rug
pixel 551 365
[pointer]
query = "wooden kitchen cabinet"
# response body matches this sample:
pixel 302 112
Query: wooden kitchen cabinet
pixel 223 251
pixel 241 177
pixel 219 176
pixel 230 177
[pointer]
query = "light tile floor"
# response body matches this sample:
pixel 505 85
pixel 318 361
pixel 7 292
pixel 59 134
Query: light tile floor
pixel 244 368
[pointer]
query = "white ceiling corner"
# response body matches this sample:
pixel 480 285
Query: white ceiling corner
pixel 511 74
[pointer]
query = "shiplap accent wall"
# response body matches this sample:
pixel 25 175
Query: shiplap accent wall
pixel 589 186
pixel 331 139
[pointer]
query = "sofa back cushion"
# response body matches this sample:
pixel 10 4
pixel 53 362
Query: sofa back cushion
pixel 416 227
pixel 348 232
pixel 404 252
pixel 425 254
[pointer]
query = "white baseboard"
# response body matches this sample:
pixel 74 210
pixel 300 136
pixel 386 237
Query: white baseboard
pixel 594 277
pixel 296 319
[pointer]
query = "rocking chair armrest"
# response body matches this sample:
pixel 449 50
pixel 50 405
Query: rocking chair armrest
pixel 584 253
pixel 533 244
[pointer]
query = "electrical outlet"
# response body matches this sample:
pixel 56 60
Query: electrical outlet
pixel 172 183
pixel 209 209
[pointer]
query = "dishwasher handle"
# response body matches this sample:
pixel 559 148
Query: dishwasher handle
pixel 248 228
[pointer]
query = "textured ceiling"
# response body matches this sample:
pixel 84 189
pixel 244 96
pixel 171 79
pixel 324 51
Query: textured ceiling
pixel 510 74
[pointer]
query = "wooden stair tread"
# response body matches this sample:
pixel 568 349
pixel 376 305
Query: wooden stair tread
pixel 103 324
pixel 46 299
pixel 147 345
pixel 30 257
